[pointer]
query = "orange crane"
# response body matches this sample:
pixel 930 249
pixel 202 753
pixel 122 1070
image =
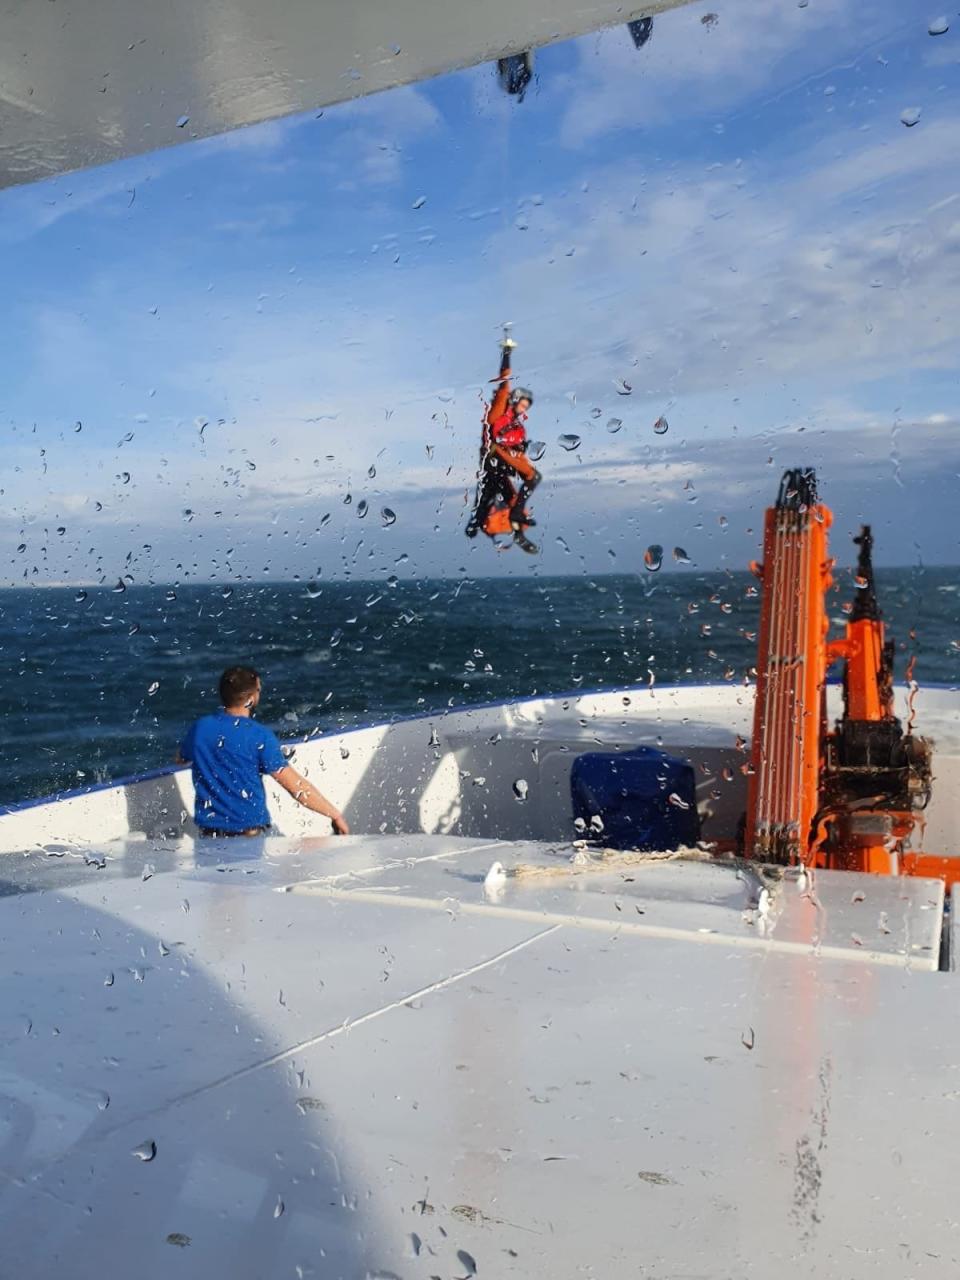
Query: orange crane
pixel 846 797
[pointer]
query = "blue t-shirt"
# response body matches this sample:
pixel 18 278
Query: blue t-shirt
pixel 229 755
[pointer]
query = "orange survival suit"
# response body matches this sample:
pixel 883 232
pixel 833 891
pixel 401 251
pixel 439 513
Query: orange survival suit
pixel 503 456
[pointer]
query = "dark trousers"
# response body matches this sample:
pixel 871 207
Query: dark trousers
pixel 494 483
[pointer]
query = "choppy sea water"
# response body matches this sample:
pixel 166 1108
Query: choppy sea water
pixel 100 684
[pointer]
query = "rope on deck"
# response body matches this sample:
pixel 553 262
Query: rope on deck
pixel 586 859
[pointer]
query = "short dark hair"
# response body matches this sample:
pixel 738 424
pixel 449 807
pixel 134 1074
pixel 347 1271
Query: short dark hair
pixel 236 685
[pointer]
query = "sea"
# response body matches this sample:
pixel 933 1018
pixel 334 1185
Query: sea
pixel 101 682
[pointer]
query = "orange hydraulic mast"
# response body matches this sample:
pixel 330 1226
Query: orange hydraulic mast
pixel 784 784
pixel 868 678
pixel 846 798
pixel 874 775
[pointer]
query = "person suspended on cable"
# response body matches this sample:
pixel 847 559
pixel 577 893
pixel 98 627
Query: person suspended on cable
pixel 504 459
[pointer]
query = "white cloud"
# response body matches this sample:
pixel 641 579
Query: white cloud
pixel 363 142
pixel 688 68
pixel 683 282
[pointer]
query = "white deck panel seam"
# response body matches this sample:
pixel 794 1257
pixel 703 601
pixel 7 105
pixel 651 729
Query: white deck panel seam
pixel 767 944
pixel 349 1024
pixel 391 864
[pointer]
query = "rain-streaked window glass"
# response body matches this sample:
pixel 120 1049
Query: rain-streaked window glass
pixel 247 377
pixel 480 635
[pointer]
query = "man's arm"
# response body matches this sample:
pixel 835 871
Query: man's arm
pixel 305 793
pixel 502 396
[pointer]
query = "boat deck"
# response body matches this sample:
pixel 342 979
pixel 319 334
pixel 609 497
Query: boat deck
pixel 355 1060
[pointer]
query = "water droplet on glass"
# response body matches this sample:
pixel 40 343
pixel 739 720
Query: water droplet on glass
pixel 677 801
pixel 78 426
pixel 419 202
pixel 623 388
pixel 148 871
pixel 681 556
pixel 80 597
pixel 909 116
pixel 146 1150
pixel 362 508
pixel 536 449
pixel 595 413
pixel 467 1261
pixel 371 471
pixel 614 425
pixel 178 1239
pixel 568 442
pixel 653 557
pixel 183 122
pixel 661 426
pixel 938 27
pixel 278 1208
pixel 434 740
pixel 387 517
pixel 521 789
pixel 152 689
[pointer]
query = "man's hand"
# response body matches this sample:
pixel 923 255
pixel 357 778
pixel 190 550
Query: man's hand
pixel 305 793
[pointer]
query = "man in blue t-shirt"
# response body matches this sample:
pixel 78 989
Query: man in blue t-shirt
pixel 229 753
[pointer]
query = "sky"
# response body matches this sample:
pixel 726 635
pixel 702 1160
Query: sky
pixel 218 353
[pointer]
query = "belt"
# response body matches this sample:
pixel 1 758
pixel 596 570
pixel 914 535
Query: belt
pixel 214 834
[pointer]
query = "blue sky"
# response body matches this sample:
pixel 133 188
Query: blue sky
pixel 734 221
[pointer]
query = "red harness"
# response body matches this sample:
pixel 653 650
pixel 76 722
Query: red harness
pixel 508 430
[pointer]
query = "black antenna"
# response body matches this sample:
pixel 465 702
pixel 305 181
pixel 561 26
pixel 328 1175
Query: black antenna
pixel 865 603
pixel 798 489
